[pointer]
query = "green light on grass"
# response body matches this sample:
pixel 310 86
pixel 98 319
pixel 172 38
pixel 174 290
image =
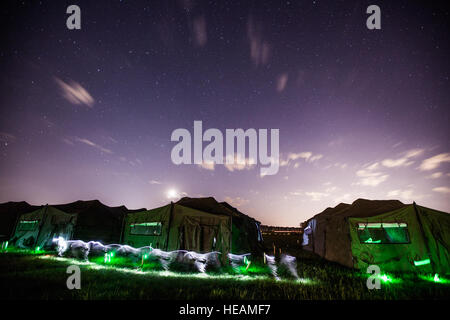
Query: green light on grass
pixel 107 257
pixel 436 278
pixel 422 262
pixel 385 278
pixel 261 276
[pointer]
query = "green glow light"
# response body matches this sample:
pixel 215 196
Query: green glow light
pixel 389 279
pixel 436 278
pixel 372 241
pixel 177 275
pixel 422 262
pixel 385 278
pixel 146 224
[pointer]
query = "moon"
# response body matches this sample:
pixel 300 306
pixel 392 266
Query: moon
pixel 172 194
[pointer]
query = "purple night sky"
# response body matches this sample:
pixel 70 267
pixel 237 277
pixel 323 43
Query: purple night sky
pixel 88 114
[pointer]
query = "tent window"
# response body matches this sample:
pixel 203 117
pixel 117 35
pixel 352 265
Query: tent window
pixel 383 233
pixel 28 225
pixel 146 229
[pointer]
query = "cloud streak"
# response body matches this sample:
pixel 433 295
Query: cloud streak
pixel 259 48
pixel 434 162
pixel 445 190
pixel 75 93
pixel 307 156
pixel 403 161
pixel 370 177
pixel 199 29
pixel 94 145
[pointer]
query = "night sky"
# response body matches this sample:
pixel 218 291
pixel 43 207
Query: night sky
pixel 88 114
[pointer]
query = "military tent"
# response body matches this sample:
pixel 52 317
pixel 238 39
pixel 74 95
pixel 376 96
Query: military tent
pixel 96 221
pixel 197 224
pixel 174 227
pixel 390 234
pixel 9 215
pixel 246 231
pixel 38 228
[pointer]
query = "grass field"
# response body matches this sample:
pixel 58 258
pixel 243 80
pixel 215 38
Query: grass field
pixel 43 276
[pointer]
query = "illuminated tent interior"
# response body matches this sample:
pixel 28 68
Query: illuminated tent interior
pixel 194 224
pixel 38 228
pixel 9 215
pixel 390 234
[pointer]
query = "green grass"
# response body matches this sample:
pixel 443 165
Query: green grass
pixel 40 276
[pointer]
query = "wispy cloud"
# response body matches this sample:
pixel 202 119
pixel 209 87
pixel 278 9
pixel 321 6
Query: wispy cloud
pixel 407 194
pixel 75 93
pixel 237 201
pixel 434 162
pixel 199 29
pixel 343 198
pixel 155 182
pixel 93 144
pixel 369 176
pixel 259 48
pixel 208 165
pixel 240 163
pixel 281 82
pixel 403 161
pixel 307 156
pixel 67 141
pixel 445 190
pixel 316 196
pixel 435 175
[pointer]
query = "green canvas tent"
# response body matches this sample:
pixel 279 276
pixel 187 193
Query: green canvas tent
pixel 412 238
pixel 246 231
pixel 197 224
pixel 97 221
pixel 390 234
pixel 38 228
pixel 174 227
pixel 9 215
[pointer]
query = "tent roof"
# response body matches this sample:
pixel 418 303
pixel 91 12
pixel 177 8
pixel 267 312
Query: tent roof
pixel 43 209
pixel 94 208
pixel 211 205
pixel 360 208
